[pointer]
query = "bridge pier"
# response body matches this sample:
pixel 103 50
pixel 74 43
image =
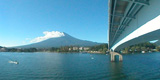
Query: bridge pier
pixel 113 54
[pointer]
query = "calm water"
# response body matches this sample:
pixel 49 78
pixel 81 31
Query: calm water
pixel 57 66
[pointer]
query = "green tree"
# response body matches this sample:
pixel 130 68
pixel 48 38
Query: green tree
pixel 158 48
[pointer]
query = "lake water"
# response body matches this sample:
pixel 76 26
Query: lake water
pixel 77 66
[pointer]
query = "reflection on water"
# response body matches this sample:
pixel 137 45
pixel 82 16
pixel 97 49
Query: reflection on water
pixel 116 70
pixel 57 66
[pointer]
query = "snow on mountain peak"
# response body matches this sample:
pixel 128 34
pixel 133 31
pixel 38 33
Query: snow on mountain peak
pixel 47 35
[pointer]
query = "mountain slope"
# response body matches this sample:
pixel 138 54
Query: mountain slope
pixel 66 40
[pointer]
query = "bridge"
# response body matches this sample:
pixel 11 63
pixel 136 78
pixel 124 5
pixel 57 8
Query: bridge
pixel 132 22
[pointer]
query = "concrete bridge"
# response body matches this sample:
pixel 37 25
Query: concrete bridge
pixel 132 22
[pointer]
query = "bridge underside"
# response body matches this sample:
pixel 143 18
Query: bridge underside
pixel 139 24
pixel 155 35
pixel 121 13
pixel 147 32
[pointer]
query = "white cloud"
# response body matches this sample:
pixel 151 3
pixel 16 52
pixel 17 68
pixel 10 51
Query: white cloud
pixel 47 35
pixel 27 39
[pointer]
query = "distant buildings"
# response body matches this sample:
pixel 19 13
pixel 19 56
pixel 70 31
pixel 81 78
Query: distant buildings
pixel 3 49
pixel 70 49
pixel 75 48
pixel 86 48
pixel 78 48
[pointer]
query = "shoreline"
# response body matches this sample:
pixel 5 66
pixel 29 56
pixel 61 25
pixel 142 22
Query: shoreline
pixel 63 52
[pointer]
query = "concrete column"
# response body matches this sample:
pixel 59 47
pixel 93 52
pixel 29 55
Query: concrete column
pixel 113 54
pixel 120 57
pixel 112 57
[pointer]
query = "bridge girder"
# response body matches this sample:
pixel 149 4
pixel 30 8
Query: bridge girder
pixel 121 13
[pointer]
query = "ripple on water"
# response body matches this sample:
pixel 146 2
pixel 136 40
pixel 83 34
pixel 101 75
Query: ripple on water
pixel 57 66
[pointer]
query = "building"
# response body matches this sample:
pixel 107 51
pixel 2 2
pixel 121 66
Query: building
pixel 2 49
pixel 80 48
pixel 86 48
pixel 75 48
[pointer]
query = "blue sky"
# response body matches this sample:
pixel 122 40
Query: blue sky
pixel 23 20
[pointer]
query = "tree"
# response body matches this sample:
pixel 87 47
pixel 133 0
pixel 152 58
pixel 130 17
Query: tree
pixel 158 48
